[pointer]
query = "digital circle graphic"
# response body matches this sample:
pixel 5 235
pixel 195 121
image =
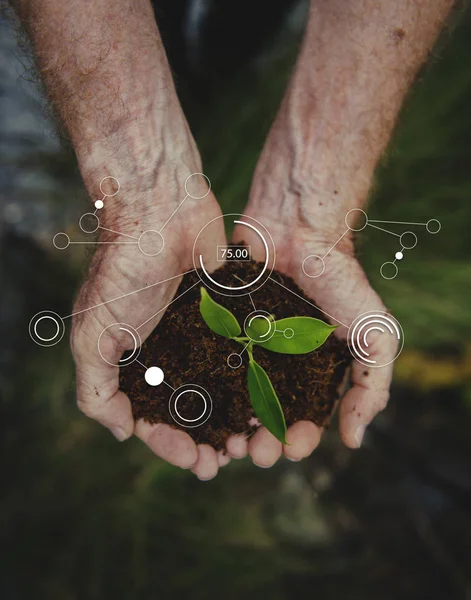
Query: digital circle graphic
pixel 127 337
pixel 433 226
pixel 399 256
pixel 389 270
pixel 408 240
pixel 195 395
pixel 356 219
pixel 154 376
pixel 197 186
pixel 61 241
pixel 383 326
pixel 99 204
pixel 109 186
pixel 46 328
pixel 234 360
pixel 259 235
pixel 259 326
pixel 313 266
pixel 151 242
pixel 288 333
pixel 89 223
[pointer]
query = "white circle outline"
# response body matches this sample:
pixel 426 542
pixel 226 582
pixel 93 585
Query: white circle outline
pixel 114 179
pixel 235 289
pixel 45 342
pixel 86 215
pixel 388 321
pixel 388 262
pixel 148 253
pixel 356 210
pixel 190 387
pixel 288 337
pixel 189 392
pixel 123 362
pixel 264 315
pixel 54 241
pixel 313 256
pixel 402 243
pixel 197 197
pixel 232 366
pixel 428 223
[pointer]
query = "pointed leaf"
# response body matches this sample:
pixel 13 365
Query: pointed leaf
pixel 218 318
pixel 298 335
pixel 265 402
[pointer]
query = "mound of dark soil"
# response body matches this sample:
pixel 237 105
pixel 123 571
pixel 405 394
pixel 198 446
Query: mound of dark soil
pixel 187 351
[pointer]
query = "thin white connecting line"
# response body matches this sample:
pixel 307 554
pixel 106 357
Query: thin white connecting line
pixel 172 388
pixel 129 294
pixel 396 222
pixel 166 222
pixel 93 242
pixel 163 308
pixel 322 311
pixel 253 303
pixel 330 249
pixel 119 233
pixel 385 230
pixel 242 351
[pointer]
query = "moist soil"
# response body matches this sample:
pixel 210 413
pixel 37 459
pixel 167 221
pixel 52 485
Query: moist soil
pixel 187 351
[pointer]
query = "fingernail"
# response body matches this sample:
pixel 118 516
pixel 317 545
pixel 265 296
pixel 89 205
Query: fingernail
pixel 293 459
pixel 207 478
pixel 358 435
pixel 119 433
pixel 261 466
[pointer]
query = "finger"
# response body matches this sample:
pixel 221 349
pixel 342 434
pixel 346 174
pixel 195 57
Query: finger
pixel 264 448
pixel 207 466
pixel 223 458
pixel 368 396
pixel 237 445
pixel 172 445
pixel 302 437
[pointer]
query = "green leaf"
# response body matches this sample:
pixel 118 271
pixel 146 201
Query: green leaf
pixel 298 335
pixel 218 318
pixel 265 402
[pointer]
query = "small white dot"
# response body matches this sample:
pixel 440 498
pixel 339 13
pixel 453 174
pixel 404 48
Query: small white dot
pixel 99 204
pixel 399 255
pixel 154 376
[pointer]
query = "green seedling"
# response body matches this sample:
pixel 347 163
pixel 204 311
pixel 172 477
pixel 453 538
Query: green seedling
pixel 295 335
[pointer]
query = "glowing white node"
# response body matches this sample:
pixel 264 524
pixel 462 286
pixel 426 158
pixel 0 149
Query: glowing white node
pixel 99 204
pixel 154 376
pixel 399 255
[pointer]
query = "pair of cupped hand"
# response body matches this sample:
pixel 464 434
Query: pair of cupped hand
pixel 118 270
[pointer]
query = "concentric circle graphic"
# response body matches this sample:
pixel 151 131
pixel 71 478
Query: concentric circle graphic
pixel 46 328
pixel 261 236
pixel 360 338
pixel 259 326
pixel 194 393
pixel 128 337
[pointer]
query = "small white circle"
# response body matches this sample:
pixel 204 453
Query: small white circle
pixel 42 340
pixel 194 183
pixel 433 226
pixel 399 255
pixel 389 270
pixel 288 333
pixel 89 223
pixel 61 241
pixel 408 240
pixel 99 204
pixel 151 242
pixel 353 215
pixel 189 392
pixel 120 331
pixel 154 376
pixel 315 266
pixel 234 360
pixel 113 181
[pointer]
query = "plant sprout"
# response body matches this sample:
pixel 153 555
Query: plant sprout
pixel 294 335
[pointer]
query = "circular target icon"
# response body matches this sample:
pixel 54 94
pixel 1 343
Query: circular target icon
pixel 127 337
pixel 375 338
pixel 46 328
pixel 190 405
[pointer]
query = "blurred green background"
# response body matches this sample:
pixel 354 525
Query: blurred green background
pixel 86 518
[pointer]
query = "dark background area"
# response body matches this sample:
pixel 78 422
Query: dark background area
pixel 86 518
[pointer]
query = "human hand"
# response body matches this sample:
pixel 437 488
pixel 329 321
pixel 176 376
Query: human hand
pixel 123 272
pixel 305 221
